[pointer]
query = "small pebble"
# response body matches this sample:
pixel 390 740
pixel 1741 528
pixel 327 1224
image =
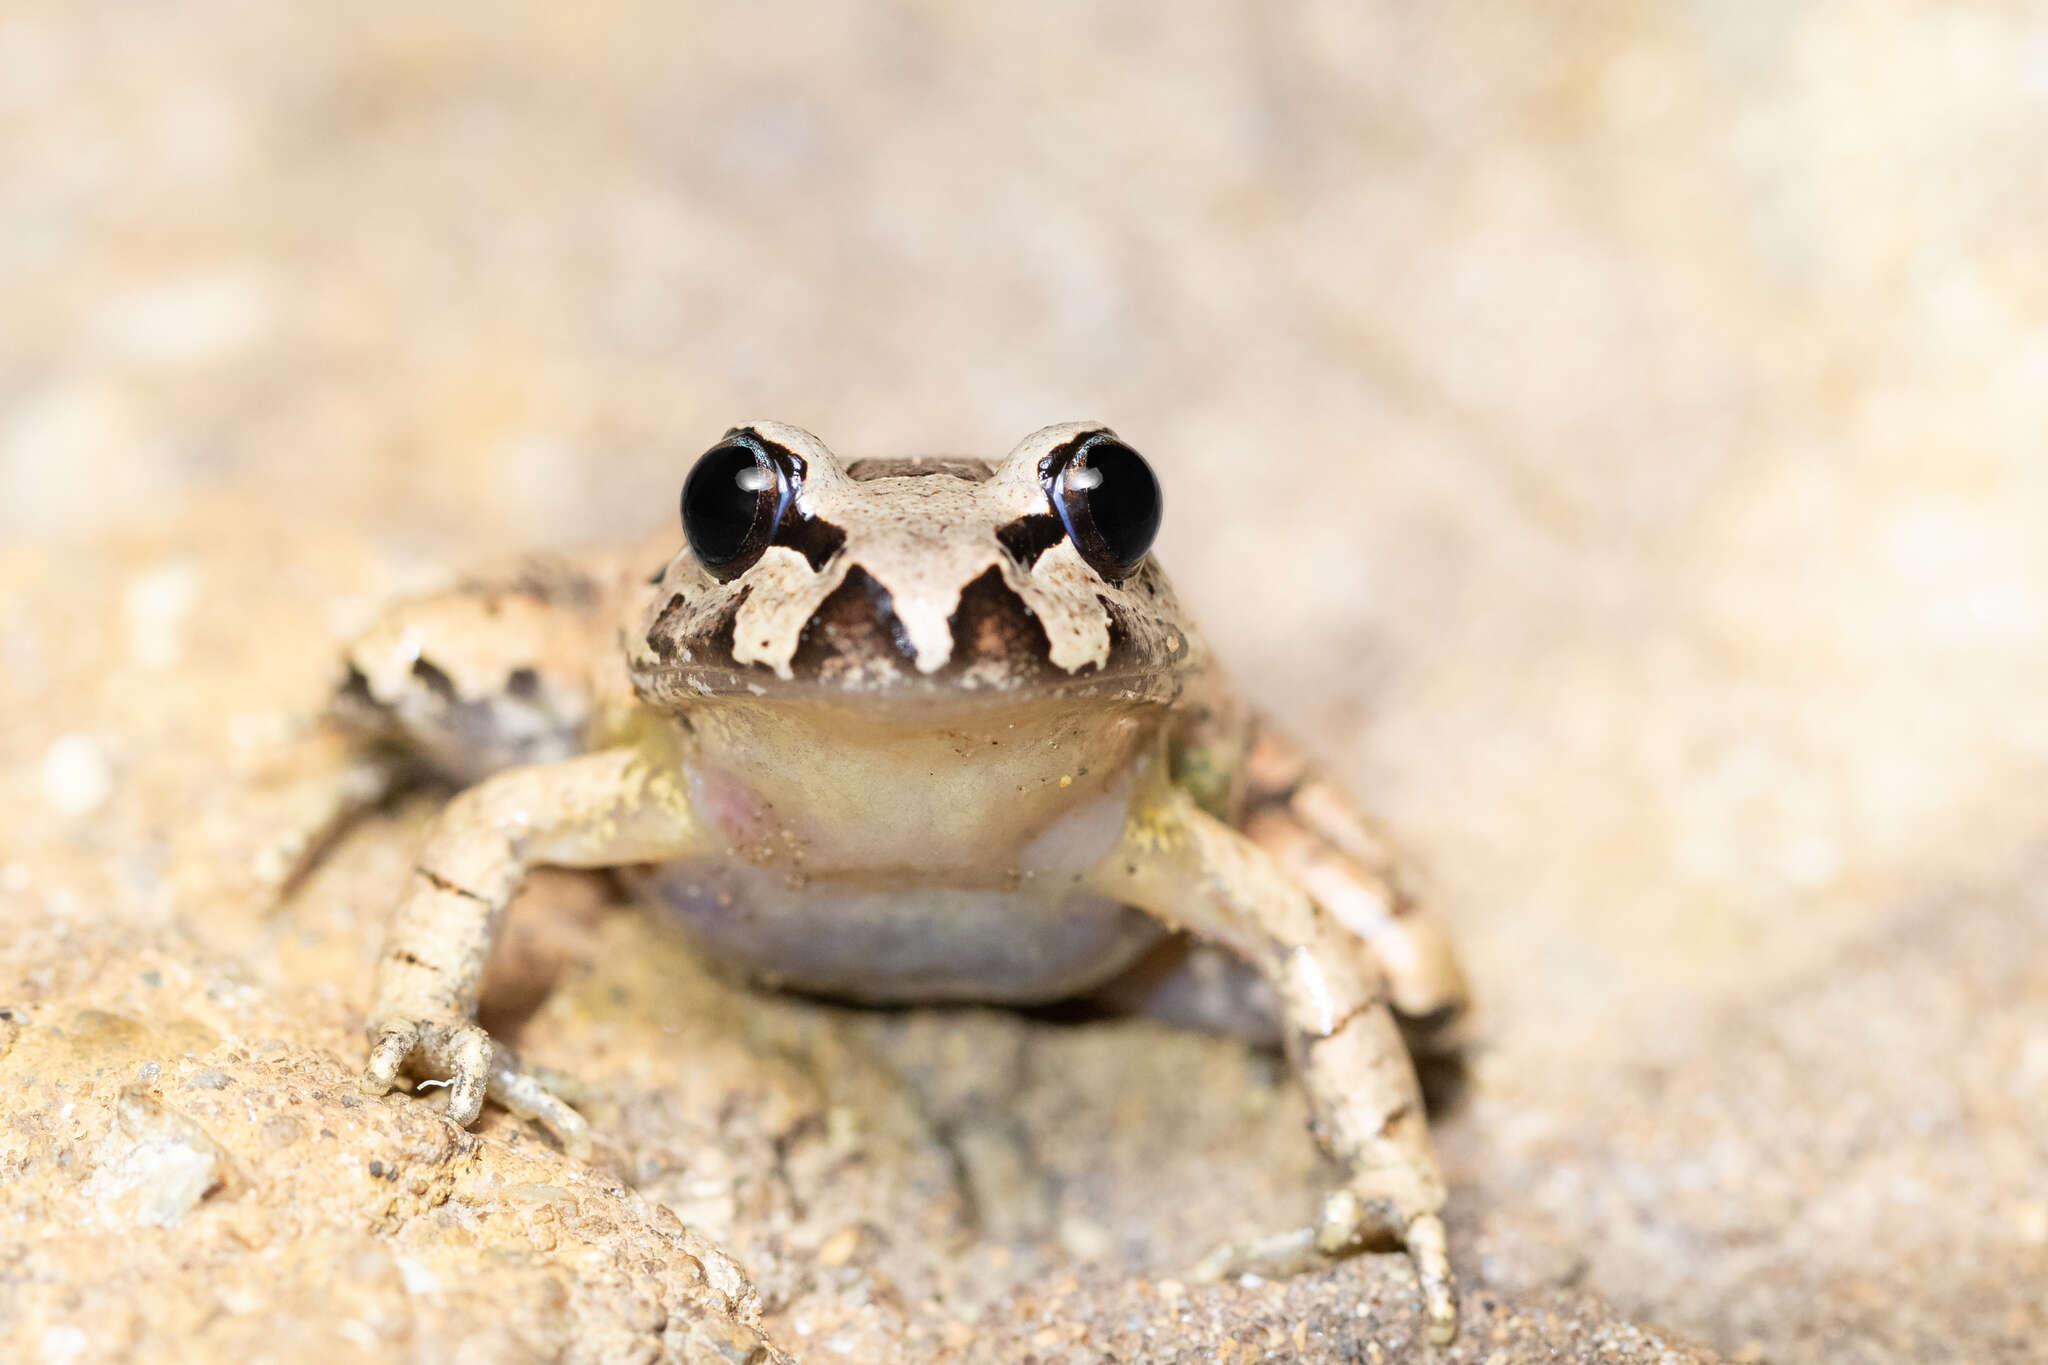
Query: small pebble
pixel 840 1247
pixel 77 779
pixel 156 603
pixel 63 1344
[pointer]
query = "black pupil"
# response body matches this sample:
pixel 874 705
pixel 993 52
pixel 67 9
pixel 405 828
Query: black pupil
pixel 1125 501
pixel 721 499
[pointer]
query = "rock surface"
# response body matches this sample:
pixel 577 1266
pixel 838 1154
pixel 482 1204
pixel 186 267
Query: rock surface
pixel 1611 438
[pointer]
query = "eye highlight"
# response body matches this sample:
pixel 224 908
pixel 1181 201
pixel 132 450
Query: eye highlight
pixel 1108 499
pixel 734 499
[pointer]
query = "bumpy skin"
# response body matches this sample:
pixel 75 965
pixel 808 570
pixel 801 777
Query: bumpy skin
pixel 919 751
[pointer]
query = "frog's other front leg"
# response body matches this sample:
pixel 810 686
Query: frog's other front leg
pixel 595 810
pixel 1196 873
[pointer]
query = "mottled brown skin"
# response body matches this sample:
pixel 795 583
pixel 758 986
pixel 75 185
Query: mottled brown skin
pixel 920 752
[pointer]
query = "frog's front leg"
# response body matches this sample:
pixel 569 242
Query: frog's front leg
pixel 1327 845
pixel 595 810
pixel 1195 872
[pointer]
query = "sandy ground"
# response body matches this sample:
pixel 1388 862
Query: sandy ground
pixel 1612 436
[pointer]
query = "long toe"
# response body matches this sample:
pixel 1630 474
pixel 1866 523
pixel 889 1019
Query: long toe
pixel 525 1095
pixel 1427 1246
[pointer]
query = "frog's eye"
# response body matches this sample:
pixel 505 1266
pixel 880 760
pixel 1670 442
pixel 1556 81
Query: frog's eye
pixel 1109 501
pixel 734 499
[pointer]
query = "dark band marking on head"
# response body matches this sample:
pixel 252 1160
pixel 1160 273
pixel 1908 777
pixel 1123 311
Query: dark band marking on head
pixel 815 538
pixel 661 636
pixel 1030 536
pixel 435 679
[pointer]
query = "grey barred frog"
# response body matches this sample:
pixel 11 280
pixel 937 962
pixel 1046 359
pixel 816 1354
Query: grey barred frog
pixel 912 730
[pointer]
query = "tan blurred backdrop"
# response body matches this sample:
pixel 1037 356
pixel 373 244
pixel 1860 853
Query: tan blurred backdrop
pixel 1612 433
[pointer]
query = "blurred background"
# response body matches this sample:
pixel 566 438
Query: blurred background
pixel 1610 433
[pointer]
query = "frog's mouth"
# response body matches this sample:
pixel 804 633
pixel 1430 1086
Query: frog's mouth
pixel 854 645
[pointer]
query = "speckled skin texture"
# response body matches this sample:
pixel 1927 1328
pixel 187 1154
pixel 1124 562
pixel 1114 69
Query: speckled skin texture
pixel 1670 581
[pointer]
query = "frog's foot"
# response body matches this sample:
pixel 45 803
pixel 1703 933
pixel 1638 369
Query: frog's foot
pixel 461 1056
pixel 1347 1224
pixel 455 1053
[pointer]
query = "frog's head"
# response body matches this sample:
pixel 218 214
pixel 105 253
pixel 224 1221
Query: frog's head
pixel 805 575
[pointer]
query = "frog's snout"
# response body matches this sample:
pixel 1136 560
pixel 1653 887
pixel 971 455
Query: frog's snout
pixel 990 629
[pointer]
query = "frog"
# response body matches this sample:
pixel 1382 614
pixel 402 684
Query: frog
pixel 898 731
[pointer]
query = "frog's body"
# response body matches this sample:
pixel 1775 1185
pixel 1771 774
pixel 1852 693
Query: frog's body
pixel 901 861
pixel 903 731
